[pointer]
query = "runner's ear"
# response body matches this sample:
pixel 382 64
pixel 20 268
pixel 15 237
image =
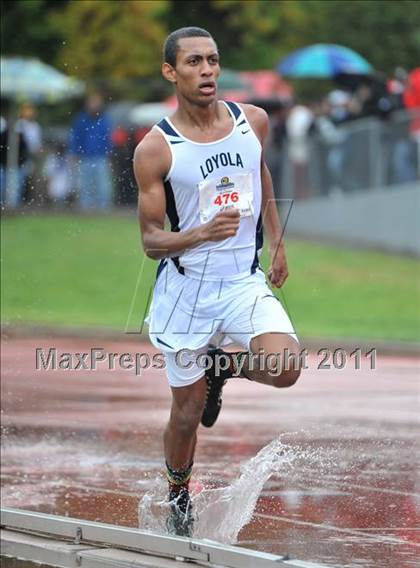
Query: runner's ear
pixel 169 73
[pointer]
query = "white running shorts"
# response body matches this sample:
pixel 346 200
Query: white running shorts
pixel 188 314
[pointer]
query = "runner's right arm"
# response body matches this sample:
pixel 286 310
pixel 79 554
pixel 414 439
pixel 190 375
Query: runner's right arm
pixel 152 160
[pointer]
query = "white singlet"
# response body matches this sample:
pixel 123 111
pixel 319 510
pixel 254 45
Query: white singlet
pixel 205 178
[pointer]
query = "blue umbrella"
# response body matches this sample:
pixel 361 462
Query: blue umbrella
pixel 323 60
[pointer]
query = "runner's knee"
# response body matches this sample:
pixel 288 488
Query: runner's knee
pixel 187 421
pixel 287 378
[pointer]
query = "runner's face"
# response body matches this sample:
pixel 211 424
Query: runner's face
pixel 197 69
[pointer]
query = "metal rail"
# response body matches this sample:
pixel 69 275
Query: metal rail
pixel 110 540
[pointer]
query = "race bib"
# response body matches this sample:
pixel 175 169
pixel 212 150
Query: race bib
pixel 219 194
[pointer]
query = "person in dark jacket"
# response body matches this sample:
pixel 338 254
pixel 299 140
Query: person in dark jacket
pixel 90 144
pixel 13 198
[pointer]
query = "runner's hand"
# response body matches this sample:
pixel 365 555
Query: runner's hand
pixel 278 272
pixel 223 225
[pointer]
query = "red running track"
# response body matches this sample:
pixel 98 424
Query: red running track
pixel 88 444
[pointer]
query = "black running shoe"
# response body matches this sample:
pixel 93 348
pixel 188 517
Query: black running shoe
pixel 180 521
pixel 214 390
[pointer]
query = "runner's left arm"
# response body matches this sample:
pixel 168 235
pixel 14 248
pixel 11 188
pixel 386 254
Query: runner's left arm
pixel 278 272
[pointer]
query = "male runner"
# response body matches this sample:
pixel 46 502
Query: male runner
pixel 204 169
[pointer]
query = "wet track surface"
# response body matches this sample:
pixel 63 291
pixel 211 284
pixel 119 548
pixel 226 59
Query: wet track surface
pixel 343 489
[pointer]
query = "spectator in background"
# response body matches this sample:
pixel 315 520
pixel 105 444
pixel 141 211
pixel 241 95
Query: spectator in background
pixel 371 98
pixel 56 171
pixel 298 124
pixel 411 99
pixel 396 86
pixel 275 147
pixel 3 159
pixel 362 103
pixel 90 144
pixel 338 102
pixel 30 130
pixel 12 199
pixel 403 151
pixel 403 157
pixel 331 144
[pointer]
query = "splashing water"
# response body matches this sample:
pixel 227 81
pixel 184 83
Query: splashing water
pixel 220 513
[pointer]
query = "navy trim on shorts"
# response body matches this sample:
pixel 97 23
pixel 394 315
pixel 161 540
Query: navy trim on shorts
pixel 163 343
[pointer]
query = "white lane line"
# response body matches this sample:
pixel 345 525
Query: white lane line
pixel 345 486
pixel 358 532
pixel 304 564
pixel 388 529
pixel 381 490
pixel 345 489
pixel 88 488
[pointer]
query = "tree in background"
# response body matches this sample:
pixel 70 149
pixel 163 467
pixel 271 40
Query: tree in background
pixel 386 32
pixel 112 40
pixel 26 29
pixel 256 34
pixel 251 34
pixel 116 40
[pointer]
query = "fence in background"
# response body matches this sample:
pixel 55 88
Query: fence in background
pixel 359 155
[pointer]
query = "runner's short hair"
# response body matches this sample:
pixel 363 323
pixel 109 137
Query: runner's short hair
pixel 170 47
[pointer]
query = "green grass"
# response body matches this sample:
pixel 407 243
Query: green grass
pixel 83 271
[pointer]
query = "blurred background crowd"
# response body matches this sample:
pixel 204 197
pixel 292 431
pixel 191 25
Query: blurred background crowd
pixel 82 87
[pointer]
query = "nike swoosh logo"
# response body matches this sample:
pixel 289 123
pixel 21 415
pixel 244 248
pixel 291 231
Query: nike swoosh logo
pixel 245 131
